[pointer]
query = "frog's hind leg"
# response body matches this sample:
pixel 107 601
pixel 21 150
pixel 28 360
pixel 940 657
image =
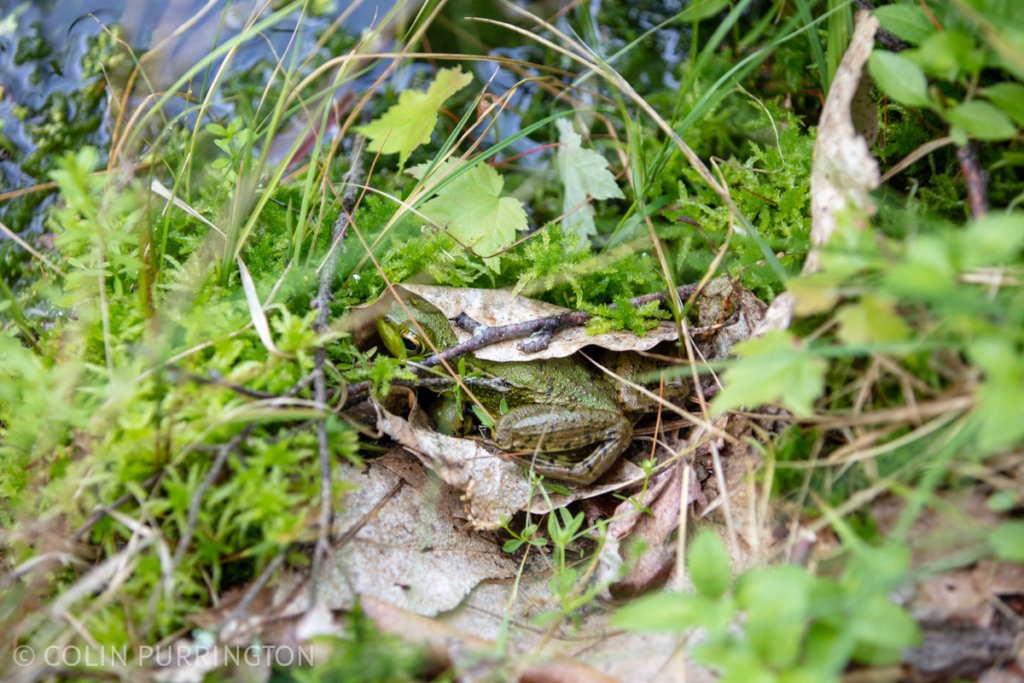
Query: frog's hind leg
pixel 596 463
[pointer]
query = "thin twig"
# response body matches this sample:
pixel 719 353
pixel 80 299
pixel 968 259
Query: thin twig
pixel 240 610
pixel 323 309
pixel 208 481
pixel 101 512
pixel 888 40
pixel 217 381
pixel 544 327
pixel 975 178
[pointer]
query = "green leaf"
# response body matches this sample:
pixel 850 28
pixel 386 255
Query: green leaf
pixel 737 664
pixel 899 78
pixel 872 569
pixel 775 367
pixel 946 55
pixel 997 412
pixel 482 416
pixel 906 21
pixel 776 601
pixel 472 210
pixel 981 120
pixel 660 612
pixel 1002 501
pixel 872 320
pixel 878 622
pixel 828 646
pixel 814 293
pixel 806 675
pixel 1009 97
pixel 408 124
pixel 850 249
pixel 673 612
pixel 926 270
pixel 708 564
pixel 584 173
pixel 1007 541
pixel 995 239
pixel 701 9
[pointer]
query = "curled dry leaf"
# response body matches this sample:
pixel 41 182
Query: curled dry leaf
pixel 494 307
pixel 491 487
pixel 843 173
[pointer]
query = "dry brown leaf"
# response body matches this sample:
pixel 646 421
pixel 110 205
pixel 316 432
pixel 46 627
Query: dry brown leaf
pixel 720 300
pixel 968 595
pixel 462 651
pixel 492 487
pixel 650 530
pixel 494 307
pixel 504 610
pixel 619 476
pixel 400 542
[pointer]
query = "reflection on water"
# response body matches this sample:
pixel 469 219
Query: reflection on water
pixel 57 58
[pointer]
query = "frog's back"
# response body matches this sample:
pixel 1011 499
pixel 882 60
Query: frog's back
pixel 553 381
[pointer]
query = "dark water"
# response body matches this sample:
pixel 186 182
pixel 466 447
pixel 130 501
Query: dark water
pixel 54 99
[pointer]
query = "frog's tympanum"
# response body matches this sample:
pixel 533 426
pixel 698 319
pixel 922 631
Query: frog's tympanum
pixel 570 417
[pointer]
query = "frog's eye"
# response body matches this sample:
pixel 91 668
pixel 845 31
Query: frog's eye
pixel 411 342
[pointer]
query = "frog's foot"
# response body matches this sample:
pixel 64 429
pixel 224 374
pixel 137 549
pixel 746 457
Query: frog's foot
pixel 560 437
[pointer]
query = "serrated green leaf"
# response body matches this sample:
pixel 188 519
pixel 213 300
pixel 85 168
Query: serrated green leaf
pixel 707 562
pixel 872 320
pixel 472 210
pixel 584 174
pixel 1009 97
pixel 906 21
pixel 899 78
pixel 850 250
pixel 981 120
pixel 1007 541
pixel 775 367
pixel 408 124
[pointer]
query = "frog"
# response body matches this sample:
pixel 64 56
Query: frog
pixel 571 418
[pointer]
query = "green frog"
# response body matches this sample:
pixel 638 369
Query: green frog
pixel 572 418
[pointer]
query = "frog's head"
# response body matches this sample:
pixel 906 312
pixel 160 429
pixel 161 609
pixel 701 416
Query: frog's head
pixel 403 336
